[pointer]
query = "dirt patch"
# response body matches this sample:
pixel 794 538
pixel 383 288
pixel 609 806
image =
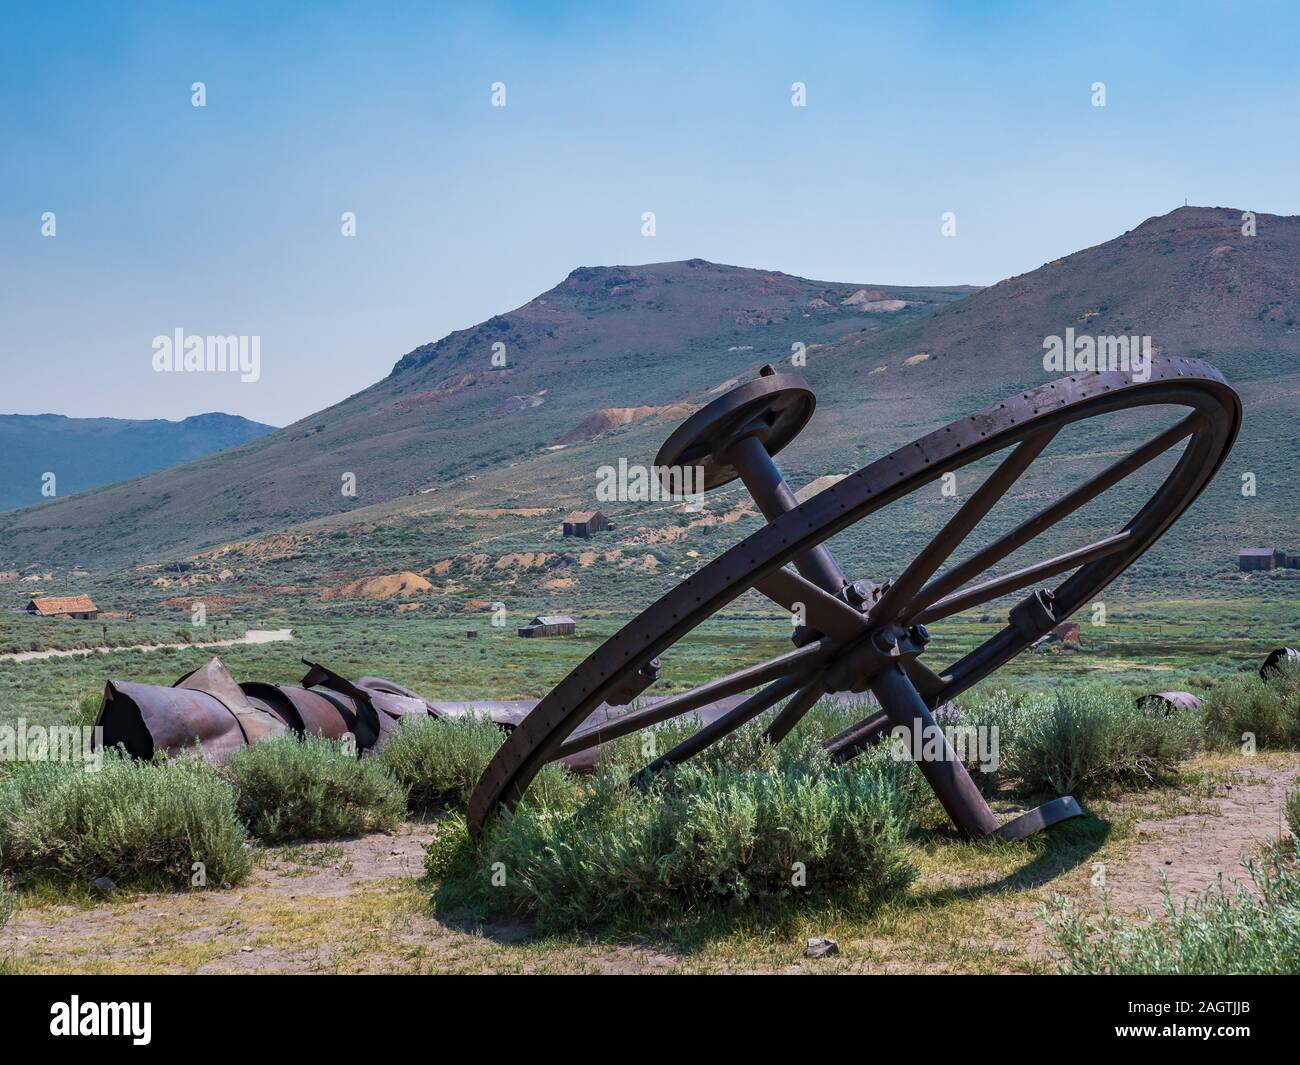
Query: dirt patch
pixel 515 404
pixel 278 545
pixel 614 417
pixel 664 535
pixel 1191 850
pixel 448 387
pixel 523 560
pixel 342 906
pixel 501 512
pixel 912 360
pixel 873 302
pixel 820 484
pixel 388 586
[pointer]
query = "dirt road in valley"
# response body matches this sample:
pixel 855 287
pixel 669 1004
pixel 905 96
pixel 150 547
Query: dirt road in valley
pixel 252 636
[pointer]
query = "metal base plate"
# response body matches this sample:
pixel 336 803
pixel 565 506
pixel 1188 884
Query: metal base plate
pixel 1039 818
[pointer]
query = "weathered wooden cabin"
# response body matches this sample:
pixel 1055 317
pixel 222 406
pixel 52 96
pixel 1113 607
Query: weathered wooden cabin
pixel 585 522
pixel 550 625
pixel 64 606
pixel 1252 558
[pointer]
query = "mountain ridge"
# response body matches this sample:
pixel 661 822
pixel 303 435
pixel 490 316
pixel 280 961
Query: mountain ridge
pixel 85 453
pixel 666 335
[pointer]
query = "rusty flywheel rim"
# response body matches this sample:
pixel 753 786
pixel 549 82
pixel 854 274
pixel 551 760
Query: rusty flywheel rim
pixel 1028 419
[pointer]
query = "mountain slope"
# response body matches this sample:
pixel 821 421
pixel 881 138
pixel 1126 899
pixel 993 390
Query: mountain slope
pixel 603 336
pixel 1189 280
pixel 84 453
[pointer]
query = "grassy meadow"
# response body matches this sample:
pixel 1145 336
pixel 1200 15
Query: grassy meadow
pixel 692 874
pixel 1144 646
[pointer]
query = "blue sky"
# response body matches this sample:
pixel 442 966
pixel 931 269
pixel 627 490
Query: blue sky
pixel 226 219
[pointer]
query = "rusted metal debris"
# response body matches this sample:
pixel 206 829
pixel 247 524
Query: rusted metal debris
pixel 209 711
pixel 1276 657
pixel 1170 702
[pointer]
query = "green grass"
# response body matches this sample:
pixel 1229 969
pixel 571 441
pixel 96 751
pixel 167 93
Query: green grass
pixel 28 633
pixel 312 788
pixel 1224 930
pixel 1292 811
pixel 1144 647
pixel 142 824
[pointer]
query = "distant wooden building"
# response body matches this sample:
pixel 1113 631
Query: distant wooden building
pixel 585 522
pixel 64 606
pixel 1252 558
pixel 550 625
pixel 1067 633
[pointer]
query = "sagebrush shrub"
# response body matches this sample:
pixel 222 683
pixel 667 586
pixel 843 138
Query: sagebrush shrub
pixel 1220 931
pixel 139 823
pixel 1268 710
pixel 1293 812
pixel 312 788
pixel 1078 741
pixel 699 833
pixel 439 761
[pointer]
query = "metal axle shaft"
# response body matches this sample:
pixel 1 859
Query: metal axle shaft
pixel 773 495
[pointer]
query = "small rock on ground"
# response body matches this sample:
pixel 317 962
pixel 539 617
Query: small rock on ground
pixel 821 948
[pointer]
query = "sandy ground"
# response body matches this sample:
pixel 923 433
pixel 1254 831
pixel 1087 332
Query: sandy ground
pixel 1190 851
pixel 252 636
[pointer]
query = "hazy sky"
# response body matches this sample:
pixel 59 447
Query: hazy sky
pixel 226 219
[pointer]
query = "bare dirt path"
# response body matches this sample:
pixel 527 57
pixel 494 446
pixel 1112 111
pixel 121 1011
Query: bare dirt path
pixel 252 636
pixel 1242 813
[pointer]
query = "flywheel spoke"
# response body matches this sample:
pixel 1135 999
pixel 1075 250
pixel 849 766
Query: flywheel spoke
pixel 821 610
pixel 996 485
pixel 1023 578
pixel 794 663
pixel 989 556
pixel 794 710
